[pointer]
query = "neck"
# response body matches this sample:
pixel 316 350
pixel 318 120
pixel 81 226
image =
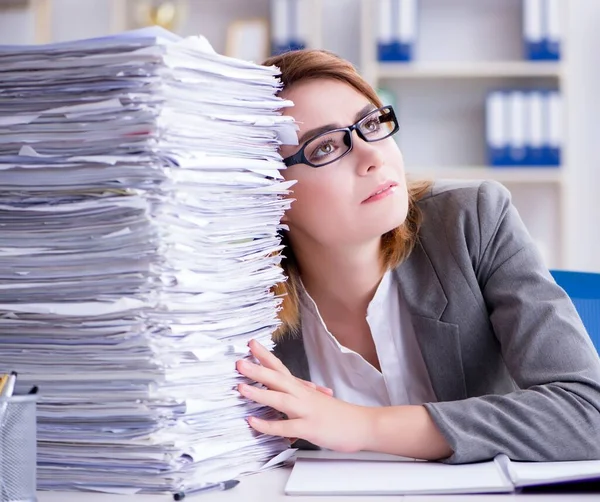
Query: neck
pixel 342 280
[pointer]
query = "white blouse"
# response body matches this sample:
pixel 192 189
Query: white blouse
pixel 403 378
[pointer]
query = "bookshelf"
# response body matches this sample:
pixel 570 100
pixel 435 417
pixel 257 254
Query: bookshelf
pixel 464 49
pixel 212 18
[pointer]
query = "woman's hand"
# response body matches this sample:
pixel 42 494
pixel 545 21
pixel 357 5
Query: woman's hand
pixel 313 414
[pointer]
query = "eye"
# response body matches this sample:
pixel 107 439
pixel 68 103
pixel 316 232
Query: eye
pixel 323 149
pixel 326 147
pixel 372 125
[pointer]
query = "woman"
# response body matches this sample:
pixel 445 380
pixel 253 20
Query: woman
pixel 424 309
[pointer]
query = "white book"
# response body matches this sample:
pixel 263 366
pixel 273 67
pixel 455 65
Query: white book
pixel 342 474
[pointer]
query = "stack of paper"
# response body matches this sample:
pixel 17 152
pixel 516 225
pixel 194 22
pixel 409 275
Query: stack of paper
pixel 140 201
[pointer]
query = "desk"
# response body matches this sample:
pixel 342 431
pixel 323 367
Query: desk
pixel 268 487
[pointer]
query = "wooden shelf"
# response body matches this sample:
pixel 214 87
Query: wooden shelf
pixel 446 70
pixel 520 175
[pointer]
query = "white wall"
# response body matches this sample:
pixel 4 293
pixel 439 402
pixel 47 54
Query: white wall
pixel 584 130
pixel 82 18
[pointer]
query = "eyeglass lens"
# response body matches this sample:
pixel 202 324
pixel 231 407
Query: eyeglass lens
pixel 330 146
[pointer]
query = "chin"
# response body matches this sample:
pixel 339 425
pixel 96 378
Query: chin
pixel 384 229
pixel 392 217
pixel 385 224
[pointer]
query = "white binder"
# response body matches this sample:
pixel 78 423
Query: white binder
pixel 286 26
pixel 496 128
pixel 516 133
pixel 555 129
pixel 535 137
pixel 396 29
pixel 553 29
pixel 533 29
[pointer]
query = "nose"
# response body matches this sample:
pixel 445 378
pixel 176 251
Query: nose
pixel 369 156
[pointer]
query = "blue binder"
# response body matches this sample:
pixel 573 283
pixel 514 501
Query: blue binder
pixel 396 30
pixel 523 128
pixel 497 128
pixel 285 23
pixel 542 30
pixel 535 128
pixel 552 30
pixel 553 151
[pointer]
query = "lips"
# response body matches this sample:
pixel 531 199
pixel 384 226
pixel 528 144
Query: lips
pixel 381 188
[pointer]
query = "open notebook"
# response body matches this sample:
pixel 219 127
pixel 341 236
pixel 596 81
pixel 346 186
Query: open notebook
pixel 365 473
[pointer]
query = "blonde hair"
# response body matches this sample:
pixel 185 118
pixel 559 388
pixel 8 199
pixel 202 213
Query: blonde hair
pixel 396 245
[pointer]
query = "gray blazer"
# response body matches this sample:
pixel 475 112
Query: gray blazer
pixel 511 364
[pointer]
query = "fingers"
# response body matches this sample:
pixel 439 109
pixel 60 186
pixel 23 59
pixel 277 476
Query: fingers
pixel 325 390
pixel 267 358
pixel 283 428
pixel 312 385
pixel 281 401
pixel 272 379
pixel 270 362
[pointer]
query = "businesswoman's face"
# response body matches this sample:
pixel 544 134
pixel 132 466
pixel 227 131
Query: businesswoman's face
pixel 359 196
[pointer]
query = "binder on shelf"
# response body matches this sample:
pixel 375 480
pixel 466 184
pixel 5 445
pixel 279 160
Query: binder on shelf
pixel 523 128
pixel 396 30
pixel 554 122
pixel 534 133
pixel 286 26
pixel 496 129
pixel 533 29
pixel 517 151
pixel 552 45
pixel 542 30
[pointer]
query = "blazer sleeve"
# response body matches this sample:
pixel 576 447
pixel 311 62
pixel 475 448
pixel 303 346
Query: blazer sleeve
pixel 555 414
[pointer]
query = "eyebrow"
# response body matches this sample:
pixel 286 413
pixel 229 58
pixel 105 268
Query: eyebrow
pixel 328 127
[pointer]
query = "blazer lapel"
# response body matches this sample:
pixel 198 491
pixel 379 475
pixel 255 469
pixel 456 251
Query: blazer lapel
pixel 290 349
pixel 439 341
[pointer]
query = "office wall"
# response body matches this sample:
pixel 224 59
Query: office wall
pixel 584 130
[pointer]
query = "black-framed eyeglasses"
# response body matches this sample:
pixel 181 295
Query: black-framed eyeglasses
pixel 335 144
